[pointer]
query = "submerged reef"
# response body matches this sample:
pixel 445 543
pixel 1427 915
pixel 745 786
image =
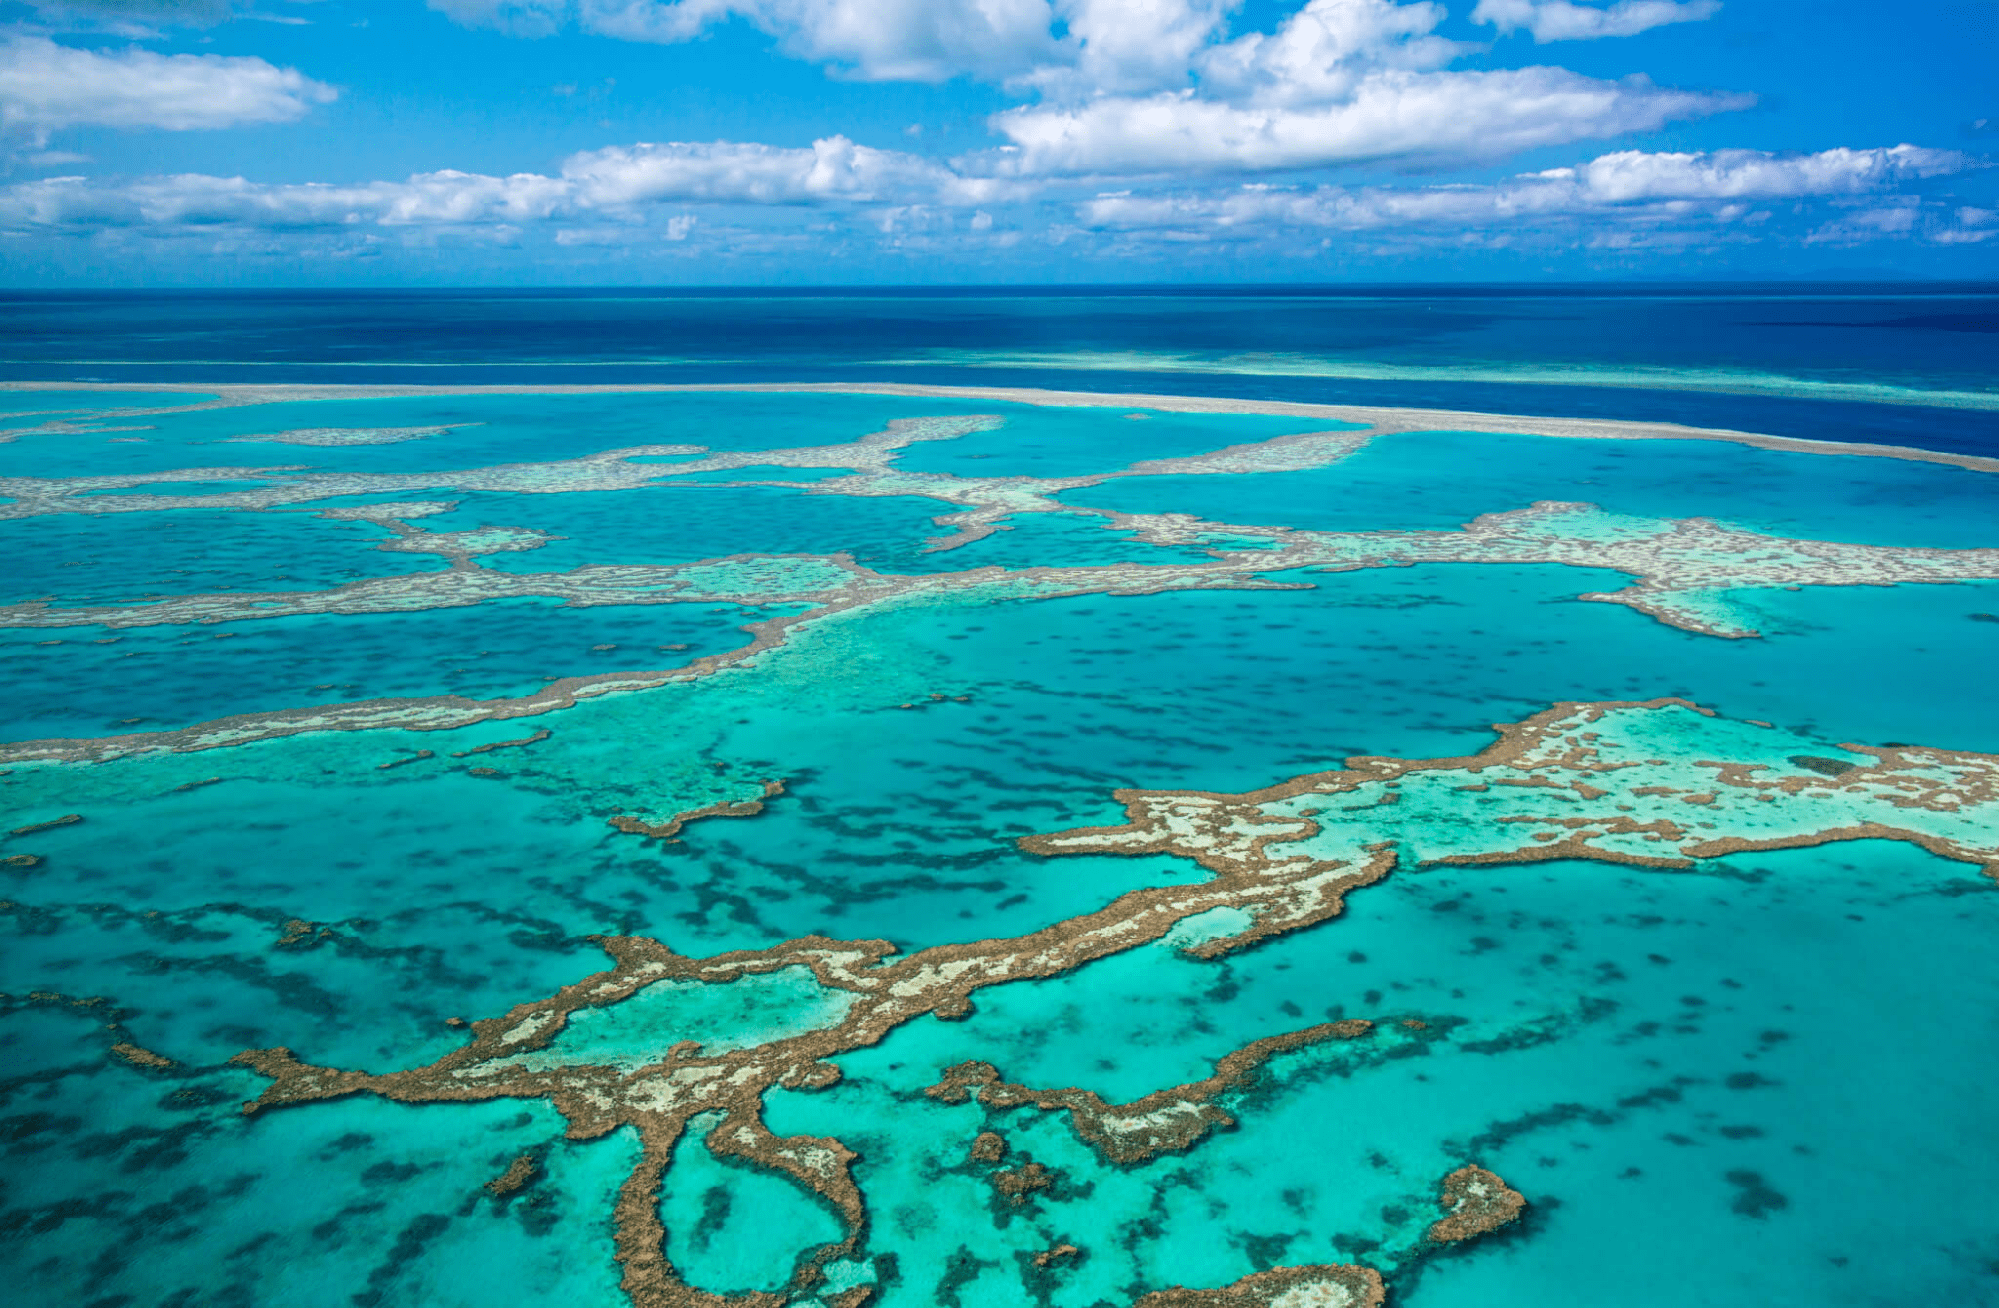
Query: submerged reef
pixel 1657 783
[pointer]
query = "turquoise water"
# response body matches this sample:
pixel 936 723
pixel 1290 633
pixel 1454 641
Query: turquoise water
pixel 683 524
pixel 1078 442
pixel 1775 1060
pixel 1437 480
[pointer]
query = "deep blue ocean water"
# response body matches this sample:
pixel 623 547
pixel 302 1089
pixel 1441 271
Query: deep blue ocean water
pixel 1764 1080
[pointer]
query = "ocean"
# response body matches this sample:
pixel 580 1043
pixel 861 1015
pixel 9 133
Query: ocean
pixel 1066 797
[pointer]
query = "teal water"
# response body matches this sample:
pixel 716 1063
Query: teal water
pixel 1774 1061
pixel 500 649
pixel 72 558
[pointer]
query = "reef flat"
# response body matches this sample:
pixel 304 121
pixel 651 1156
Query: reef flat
pixel 1049 849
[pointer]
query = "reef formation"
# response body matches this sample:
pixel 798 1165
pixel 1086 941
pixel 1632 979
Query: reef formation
pixel 1691 574
pixel 1659 783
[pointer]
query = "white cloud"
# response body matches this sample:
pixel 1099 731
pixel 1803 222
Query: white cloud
pixel 1325 50
pixel 1389 114
pixel 832 169
pixel 1142 86
pixel 1896 217
pixel 1633 175
pixel 1626 188
pixel 1129 45
pixel 1338 82
pixel 45 87
pixel 1064 47
pixel 619 184
pixel 1561 20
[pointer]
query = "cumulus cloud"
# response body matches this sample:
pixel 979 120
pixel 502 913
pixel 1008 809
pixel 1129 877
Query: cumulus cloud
pixel 1338 82
pixel 45 87
pixel 1323 51
pixel 620 184
pixel 832 169
pixel 1390 114
pixel 1729 174
pixel 1625 187
pixel 1145 85
pixel 1562 20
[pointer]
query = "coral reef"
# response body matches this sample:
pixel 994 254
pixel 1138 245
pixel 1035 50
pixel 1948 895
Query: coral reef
pixel 1475 1202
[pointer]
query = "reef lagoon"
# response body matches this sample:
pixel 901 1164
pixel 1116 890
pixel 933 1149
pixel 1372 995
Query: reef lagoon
pixel 714 838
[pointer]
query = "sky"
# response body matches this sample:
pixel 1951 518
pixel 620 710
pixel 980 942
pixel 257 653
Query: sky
pixel 245 143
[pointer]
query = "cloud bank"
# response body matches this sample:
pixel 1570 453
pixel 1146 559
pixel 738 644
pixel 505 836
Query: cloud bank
pixel 45 87
pixel 1561 20
pixel 640 193
pixel 1620 195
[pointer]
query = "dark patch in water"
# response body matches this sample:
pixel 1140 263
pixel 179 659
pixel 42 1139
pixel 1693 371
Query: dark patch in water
pixel 1264 1251
pixel 1754 1197
pixel 1828 767
pixel 409 1246
pixel 961 1270
pixel 715 1204
pixel 389 1173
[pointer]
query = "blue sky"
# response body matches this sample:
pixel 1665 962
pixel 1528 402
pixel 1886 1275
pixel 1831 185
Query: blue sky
pixel 280 142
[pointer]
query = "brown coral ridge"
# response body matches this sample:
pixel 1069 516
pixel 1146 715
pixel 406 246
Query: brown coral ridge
pixel 667 830
pixel 535 739
pixel 1016 1183
pixel 519 1172
pixel 661 1098
pixel 1328 1285
pixel 68 819
pixel 1475 1202
pixel 21 860
pixel 1163 1121
pixel 1230 831
pixel 139 1056
pixel 988 1147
